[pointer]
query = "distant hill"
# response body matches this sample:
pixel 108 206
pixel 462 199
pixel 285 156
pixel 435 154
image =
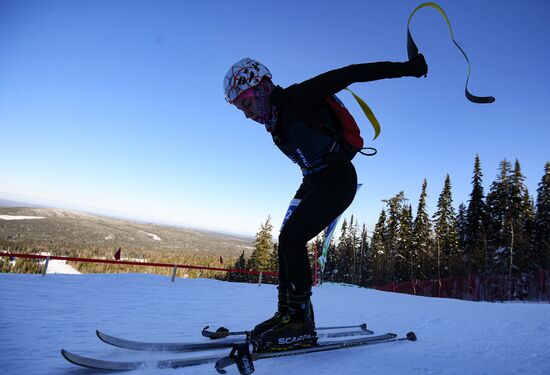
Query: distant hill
pixel 53 225
pixel 7 203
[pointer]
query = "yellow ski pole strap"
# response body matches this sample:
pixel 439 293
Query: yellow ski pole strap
pixel 412 50
pixel 368 112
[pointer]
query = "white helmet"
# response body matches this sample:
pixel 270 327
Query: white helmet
pixel 243 75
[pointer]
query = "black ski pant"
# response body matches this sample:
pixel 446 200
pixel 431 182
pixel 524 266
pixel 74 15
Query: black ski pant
pixel 324 196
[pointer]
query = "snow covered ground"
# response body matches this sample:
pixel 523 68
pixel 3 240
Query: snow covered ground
pixel 61 266
pixel 56 266
pixel 153 236
pixel 40 315
pixel 13 217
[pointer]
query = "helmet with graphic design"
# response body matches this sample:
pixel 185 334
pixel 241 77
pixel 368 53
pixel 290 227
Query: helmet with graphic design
pixel 243 75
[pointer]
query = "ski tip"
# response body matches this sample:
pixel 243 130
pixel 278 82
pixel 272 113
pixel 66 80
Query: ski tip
pixel 411 336
pixel 104 337
pixel 69 356
pixel 100 334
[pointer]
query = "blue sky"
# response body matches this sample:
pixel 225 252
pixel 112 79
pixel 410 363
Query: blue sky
pixel 117 106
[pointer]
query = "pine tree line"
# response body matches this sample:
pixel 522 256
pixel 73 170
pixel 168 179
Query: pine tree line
pixel 502 233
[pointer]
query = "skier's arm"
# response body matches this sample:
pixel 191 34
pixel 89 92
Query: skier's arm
pixel 329 83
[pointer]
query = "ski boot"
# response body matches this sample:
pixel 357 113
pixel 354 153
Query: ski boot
pixel 282 309
pixel 296 328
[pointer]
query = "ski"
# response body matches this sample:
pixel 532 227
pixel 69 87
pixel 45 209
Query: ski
pixel 100 364
pixel 243 358
pixel 245 365
pixel 187 347
pixel 224 332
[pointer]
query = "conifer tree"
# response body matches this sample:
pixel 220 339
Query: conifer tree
pixel 499 220
pixel 522 215
pixel 364 259
pixel 353 249
pixel 528 262
pixel 405 249
pixel 422 237
pixel 541 238
pixel 446 239
pixel 396 264
pixel 274 259
pixel 331 268
pixel 240 264
pixel 263 248
pixel 344 255
pixel 378 254
pixel 511 210
pixel 475 229
pixel 461 226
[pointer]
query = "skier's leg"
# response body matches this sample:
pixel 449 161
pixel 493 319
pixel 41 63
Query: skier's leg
pixel 282 304
pixel 328 194
pixel 331 192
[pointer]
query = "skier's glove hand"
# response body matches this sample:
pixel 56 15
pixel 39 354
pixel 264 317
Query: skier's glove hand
pixel 418 66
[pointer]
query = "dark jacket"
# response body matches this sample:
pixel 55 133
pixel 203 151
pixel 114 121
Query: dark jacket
pixel 307 131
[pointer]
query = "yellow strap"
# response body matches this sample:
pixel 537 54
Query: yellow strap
pixel 368 112
pixel 413 50
pixel 439 9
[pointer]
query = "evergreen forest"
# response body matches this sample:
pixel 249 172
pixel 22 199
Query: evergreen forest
pixel 504 232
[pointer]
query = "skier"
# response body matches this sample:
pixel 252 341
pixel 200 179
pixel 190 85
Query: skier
pixel 304 128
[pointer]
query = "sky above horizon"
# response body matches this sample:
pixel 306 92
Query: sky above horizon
pixel 117 106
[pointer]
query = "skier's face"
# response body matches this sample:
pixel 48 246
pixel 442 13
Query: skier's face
pixel 247 103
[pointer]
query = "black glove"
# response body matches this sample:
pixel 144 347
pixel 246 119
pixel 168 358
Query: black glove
pixel 418 66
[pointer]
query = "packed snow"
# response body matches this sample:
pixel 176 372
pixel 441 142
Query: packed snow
pixel 39 315
pixel 56 266
pixel 14 217
pixel 153 236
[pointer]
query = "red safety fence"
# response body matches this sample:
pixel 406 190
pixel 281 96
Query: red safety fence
pixel 533 287
pixel 134 263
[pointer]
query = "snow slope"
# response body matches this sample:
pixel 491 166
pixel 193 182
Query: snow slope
pixel 13 217
pixel 61 266
pixel 40 315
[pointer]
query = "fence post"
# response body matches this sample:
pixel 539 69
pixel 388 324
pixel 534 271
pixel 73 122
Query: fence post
pixel 174 272
pixel 260 279
pixel 46 266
